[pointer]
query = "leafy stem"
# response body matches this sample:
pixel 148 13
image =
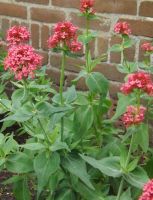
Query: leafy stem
pixel 61 90
pixel 126 164
pixel 87 45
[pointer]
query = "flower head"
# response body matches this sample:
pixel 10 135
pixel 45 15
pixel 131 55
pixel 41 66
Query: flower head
pixel 134 115
pixel 122 28
pixel 22 61
pixel 65 34
pixel 17 35
pixel 139 80
pixel 147 47
pixel 75 46
pixel 147 191
pixel 87 6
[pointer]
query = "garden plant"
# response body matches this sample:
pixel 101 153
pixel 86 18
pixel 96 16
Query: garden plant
pixel 73 148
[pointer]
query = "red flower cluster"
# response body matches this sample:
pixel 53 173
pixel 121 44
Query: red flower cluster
pixel 65 33
pixel 147 191
pixel 22 61
pixel 122 28
pixel 134 115
pixel 17 35
pixel 147 47
pixel 87 6
pixel 139 80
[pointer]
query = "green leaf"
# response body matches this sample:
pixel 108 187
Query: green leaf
pixel 85 39
pixel 19 163
pixel 87 193
pixel 2 161
pixel 58 146
pixel 45 166
pixel 77 167
pixel 33 146
pixel 70 95
pixel 21 190
pixel 13 179
pixel 97 83
pixel 116 48
pixel 122 104
pixel 65 195
pixel 137 178
pixel 133 164
pixel 142 137
pixel 109 166
pixel 83 120
pixel 126 195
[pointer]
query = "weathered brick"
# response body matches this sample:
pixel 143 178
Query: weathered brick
pixel 102 45
pixel 102 24
pixel 140 27
pixel 47 15
pixel 44 37
pixel 116 6
pixel 146 9
pixel 35 1
pixel 5 27
pixel 66 3
pixel 72 64
pixel 45 57
pixel 114 88
pixel 110 72
pixel 115 57
pixel 13 10
pixel 35 35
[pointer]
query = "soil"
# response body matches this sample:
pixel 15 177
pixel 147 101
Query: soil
pixel 5 190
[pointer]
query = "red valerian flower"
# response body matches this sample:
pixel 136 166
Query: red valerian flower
pixel 122 28
pixel 134 115
pixel 75 46
pixel 17 35
pixel 65 33
pixel 138 80
pixel 22 61
pixel 147 191
pixel 87 6
pixel 147 47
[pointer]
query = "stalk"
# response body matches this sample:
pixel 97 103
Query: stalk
pixel 61 91
pixel 87 45
pixel 126 164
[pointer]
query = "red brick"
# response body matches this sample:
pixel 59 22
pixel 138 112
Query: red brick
pixel 47 15
pixel 12 10
pixel 5 27
pixel 117 6
pixel 114 88
pixel 102 24
pixel 72 64
pixel 35 35
pixel 54 74
pixel 35 1
pixel 110 72
pixel 140 27
pixel 45 57
pixel 66 3
pixel 146 8
pixel 44 37
pixel 102 45
pixel 115 57
pixel 141 52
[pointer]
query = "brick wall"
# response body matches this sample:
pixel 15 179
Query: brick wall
pixel 40 15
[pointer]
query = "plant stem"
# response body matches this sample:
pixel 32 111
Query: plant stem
pixel 120 189
pixel 87 45
pixel 61 91
pixel 62 77
pixel 126 164
pixel 48 140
